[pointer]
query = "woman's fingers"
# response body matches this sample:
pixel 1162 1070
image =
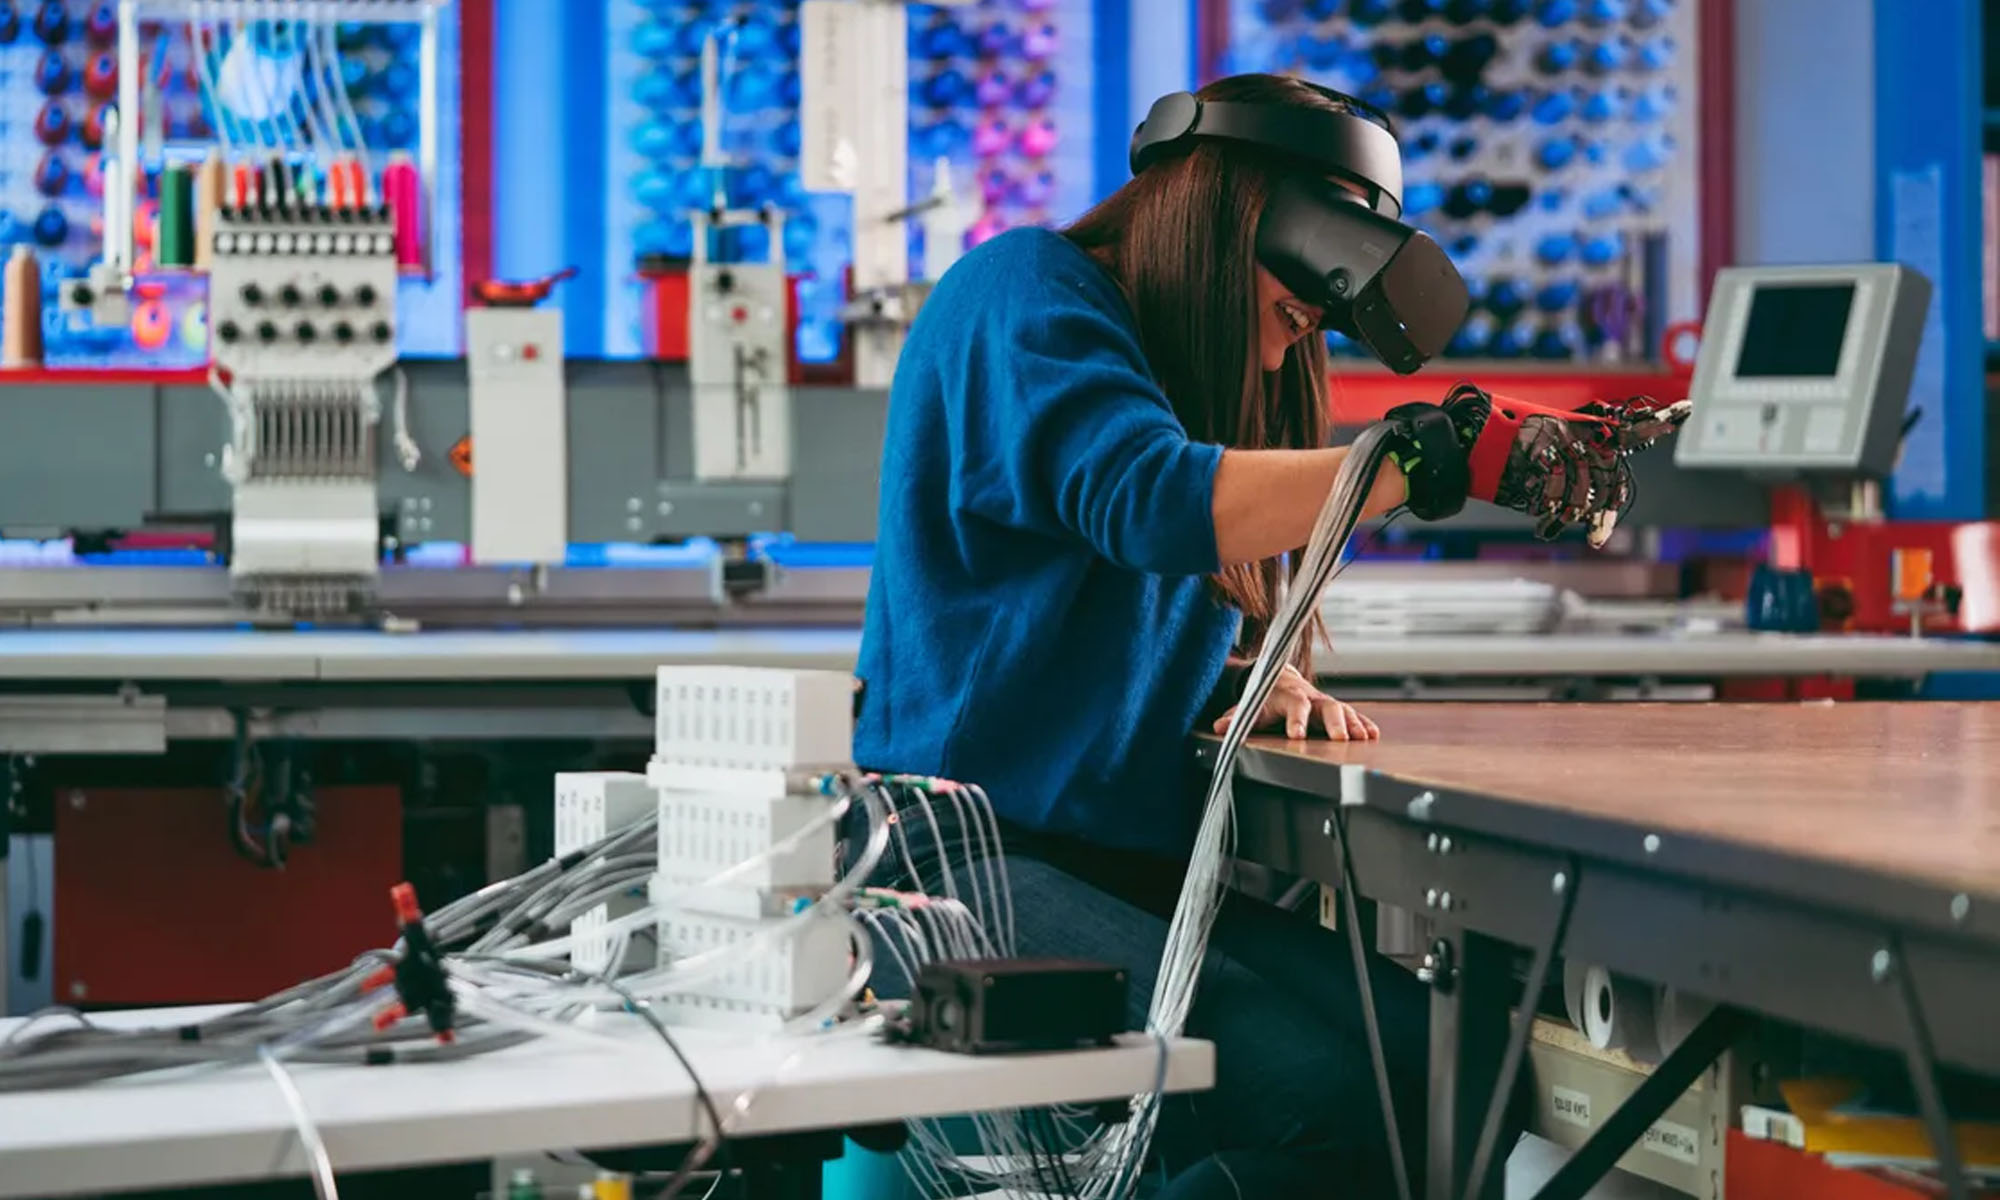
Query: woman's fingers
pixel 1228 718
pixel 1333 718
pixel 1297 710
pixel 1343 722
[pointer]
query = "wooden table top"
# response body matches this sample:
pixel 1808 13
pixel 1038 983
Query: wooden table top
pixel 1904 789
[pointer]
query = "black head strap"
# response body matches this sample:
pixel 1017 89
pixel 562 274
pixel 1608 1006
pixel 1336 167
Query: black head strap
pixel 1352 147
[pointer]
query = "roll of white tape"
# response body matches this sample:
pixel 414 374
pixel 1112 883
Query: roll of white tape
pixel 1618 1014
pixel 1679 1013
pixel 1574 975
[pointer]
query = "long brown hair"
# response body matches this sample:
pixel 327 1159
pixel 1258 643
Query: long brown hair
pixel 1181 239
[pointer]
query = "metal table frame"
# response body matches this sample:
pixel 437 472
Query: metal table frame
pixel 1879 959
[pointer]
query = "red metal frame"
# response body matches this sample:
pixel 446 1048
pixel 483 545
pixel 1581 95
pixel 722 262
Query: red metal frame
pixel 1211 37
pixel 157 376
pixel 1718 139
pixel 1359 394
pixel 475 83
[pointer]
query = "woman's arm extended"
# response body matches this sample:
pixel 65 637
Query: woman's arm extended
pixel 1267 500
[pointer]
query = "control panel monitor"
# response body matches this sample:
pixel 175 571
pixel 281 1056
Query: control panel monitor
pixel 1805 369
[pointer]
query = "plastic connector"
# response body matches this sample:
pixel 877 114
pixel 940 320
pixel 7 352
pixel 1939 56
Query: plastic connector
pixel 421 986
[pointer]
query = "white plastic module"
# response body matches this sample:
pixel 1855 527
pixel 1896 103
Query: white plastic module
pixel 793 974
pixel 701 836
pixel 591 806
pixel 755 718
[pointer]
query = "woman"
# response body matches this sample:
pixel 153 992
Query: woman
pixel 1100 443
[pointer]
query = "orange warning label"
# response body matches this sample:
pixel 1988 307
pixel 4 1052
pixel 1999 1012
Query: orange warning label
pixel 461 456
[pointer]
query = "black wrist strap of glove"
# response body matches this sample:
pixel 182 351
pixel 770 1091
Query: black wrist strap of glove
pixel 1427 449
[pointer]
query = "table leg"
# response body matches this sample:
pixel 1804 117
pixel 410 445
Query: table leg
pixel 1472 990
pixel 1891 969
pixel 1385 1092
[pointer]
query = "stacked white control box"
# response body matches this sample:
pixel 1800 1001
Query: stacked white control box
pixel 744 839
pixel 591 806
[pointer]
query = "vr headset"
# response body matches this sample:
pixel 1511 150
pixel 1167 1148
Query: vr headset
pixel 1380 282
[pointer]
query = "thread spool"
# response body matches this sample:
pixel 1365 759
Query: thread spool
pixel 52 123
pixel 51 175
pixel 1677 1016
pixel 1038 140
pixel 194 327
pixel 174 246
pixel 21 330
pixel 52 73
pixel 152 325
pixel 101 26
pixel 995 40
pixel 100 76
pixel 948 88
pixel 653 40
pixel 1036 90
pixel 208 183
pixel 94 126
pixel 1618 1014
pixel 990 138
pixel 787 140
pixel 402 192
pixel 1040 42
pixel 242 186
pixel 52 22
pixel 993 90
pixel 1975 549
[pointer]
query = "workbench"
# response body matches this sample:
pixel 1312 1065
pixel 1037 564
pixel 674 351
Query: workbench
pixel 188 1129
pixel 54 658
pixel 1833 866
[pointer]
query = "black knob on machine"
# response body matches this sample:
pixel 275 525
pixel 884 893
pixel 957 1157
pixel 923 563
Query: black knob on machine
pixel 329 295
pixel 267 331
pixel 381 332
pixel 252 295
pixel 228 331
pixel 304 331
pixel 343 332
pixel 290 296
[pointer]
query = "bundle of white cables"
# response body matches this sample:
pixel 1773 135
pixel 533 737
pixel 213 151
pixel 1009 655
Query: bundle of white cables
pixel 1215 838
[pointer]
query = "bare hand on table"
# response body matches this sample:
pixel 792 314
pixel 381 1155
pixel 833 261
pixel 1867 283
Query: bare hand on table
pixel 1296 706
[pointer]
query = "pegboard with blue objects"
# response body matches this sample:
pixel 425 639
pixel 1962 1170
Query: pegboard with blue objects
pixel 1549 146
pixel 998 96
pixel 223 94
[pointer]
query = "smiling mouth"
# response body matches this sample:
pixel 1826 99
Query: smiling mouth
pixel 1297 317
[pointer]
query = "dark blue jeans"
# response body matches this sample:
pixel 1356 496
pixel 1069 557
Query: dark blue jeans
pixel 1294 1111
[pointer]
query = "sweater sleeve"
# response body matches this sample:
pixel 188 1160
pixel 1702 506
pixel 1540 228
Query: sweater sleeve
pixel 1068 435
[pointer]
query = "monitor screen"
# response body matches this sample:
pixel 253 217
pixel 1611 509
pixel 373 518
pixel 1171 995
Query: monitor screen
pixel 1795 331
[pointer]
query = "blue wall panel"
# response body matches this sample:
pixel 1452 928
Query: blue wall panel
pixel 1927 124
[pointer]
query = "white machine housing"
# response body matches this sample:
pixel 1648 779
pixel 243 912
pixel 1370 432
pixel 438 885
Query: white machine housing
pixel 519 416
pixel 1806 369
pixel 303 320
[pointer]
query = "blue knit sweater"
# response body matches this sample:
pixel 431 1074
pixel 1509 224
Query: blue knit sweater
pixel 1038 619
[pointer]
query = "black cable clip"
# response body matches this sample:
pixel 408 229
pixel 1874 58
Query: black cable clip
pixel 421 985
